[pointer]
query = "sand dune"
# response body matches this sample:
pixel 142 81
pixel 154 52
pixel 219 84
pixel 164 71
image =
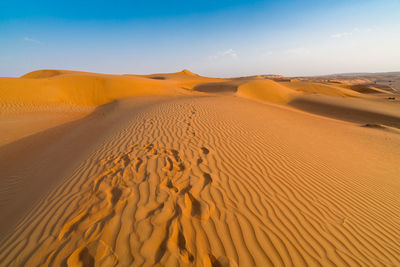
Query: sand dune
pixel 321 88
pixel 266 90
pixel 183 170
pixel 18 120
pixel 387 81
pixel 353 110
pixel 79 89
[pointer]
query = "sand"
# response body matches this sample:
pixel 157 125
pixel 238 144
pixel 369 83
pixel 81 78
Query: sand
pixel 183 170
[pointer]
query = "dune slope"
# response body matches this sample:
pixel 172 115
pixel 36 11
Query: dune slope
pixel 359 111
pixel 220 181
pixel 266 90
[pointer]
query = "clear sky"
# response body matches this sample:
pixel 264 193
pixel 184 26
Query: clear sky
pixel 209 37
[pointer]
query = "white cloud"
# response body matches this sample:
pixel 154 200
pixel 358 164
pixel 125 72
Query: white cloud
pixel 230 53
pixel 341 35
pixel 28 39
pixel 352 32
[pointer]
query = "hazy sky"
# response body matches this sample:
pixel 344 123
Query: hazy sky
pixel 209 37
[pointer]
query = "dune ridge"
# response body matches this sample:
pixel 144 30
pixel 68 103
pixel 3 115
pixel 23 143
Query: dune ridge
pixel 85 90
pixel 266 90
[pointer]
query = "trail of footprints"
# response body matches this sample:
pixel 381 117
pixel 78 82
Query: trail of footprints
pixel 150 205
pixel 160 184
pixel 190 132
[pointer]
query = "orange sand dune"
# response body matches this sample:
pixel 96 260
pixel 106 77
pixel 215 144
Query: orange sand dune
pixel 320 88
pixel 357 110
pixel 183 170
pixel 267 90
pixel 389 81
pixel 78 88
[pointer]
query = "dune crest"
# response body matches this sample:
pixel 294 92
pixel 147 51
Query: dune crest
pixel 188 72
pixel 266 90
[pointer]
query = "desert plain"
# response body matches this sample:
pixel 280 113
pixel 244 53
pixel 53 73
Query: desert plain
pixel 182 170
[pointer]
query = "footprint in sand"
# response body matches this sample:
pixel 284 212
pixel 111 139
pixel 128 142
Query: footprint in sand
pixel 205 150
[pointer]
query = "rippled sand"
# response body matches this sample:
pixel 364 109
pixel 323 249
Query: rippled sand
pixel 182 170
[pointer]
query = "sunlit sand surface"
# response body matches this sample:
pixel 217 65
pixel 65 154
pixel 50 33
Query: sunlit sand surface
pixel 183 170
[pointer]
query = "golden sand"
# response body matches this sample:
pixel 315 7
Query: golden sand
pixel 183 170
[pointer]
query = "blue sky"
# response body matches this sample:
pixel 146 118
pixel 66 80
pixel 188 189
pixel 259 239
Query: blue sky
pixel 214 38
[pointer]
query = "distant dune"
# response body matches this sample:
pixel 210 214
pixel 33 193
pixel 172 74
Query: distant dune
pixel 388 81
pixel 177 169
